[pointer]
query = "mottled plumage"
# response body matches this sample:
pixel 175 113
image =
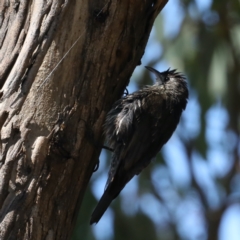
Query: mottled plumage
pixel 137 127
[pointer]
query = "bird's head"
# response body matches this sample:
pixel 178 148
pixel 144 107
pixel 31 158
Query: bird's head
pixel 164 77
pixel 161 78
pixel 173 82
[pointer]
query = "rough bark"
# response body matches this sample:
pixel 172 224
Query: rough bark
pixel 62 64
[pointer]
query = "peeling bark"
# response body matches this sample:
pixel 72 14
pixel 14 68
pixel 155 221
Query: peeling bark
pixel 53 104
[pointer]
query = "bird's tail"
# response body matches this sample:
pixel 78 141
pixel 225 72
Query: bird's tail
pixel 101 207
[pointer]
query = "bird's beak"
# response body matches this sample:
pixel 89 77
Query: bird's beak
pixel 159 76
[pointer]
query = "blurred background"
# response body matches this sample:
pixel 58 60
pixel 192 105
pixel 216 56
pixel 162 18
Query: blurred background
pixel 192 190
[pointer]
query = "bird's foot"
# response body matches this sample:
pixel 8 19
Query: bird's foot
pixel 96 166
pixel 126 92
pixel 107 148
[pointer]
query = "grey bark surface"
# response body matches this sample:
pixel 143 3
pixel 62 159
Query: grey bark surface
pixel 53 104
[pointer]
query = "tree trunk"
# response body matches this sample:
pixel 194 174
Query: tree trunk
pixel 62 65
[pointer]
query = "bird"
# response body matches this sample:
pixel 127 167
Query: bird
pixel 136 128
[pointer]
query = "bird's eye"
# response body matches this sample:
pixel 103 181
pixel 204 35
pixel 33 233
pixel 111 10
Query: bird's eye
pixel 166 79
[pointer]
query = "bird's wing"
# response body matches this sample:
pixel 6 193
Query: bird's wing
pixel 137 126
